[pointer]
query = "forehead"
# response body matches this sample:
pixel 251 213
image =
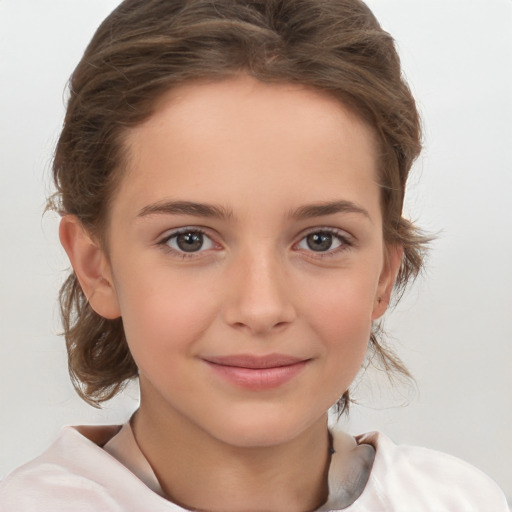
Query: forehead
pixel 204 106
pixel 262 137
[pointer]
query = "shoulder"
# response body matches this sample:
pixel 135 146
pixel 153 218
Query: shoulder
pixel 73 474
pixel 412 478
pixel 58 477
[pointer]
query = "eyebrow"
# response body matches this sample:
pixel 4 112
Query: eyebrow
pixel 216 211
pixel 328 208
pixel 185 208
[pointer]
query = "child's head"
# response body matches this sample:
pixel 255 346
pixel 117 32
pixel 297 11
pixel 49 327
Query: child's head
pixel 149 55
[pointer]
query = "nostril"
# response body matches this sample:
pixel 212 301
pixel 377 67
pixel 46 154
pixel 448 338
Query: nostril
pixel 260 327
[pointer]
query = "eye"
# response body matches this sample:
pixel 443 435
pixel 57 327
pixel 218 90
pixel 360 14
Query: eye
pixel 322 241
pixel 188 241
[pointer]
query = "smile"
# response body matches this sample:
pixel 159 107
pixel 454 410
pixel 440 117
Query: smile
pixel 256 372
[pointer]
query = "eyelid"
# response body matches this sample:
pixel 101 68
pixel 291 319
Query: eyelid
pixel 347 240
pixel 342 233
pixel 169 234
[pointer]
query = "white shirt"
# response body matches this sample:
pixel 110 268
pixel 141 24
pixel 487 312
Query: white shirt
pixel 77 475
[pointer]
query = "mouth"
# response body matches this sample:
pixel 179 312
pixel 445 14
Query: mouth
pixel 257 372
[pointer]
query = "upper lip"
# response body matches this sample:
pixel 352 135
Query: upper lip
pixel 256 362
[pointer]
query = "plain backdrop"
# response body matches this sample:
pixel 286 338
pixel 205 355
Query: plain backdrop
pixel 453 329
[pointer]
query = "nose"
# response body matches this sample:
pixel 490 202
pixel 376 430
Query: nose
pixel 259 297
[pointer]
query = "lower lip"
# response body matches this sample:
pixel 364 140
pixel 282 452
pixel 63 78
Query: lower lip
pixel 258 378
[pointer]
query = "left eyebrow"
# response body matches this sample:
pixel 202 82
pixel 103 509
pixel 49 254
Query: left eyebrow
pixel 328 208
pixel 185 208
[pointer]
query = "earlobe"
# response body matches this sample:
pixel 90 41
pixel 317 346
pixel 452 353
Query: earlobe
pixel 387 279
pixel 91 267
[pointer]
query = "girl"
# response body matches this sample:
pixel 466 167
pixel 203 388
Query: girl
pixel 231 178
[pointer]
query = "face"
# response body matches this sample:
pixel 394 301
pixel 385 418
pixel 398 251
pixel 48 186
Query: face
pixel 246 256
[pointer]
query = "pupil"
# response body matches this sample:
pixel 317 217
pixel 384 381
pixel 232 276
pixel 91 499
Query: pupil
pixel 319 241
pixel 190 242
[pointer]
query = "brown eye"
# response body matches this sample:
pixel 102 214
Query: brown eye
pixel 321 241
pixel 189 241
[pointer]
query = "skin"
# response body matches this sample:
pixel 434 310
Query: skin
pixel 261 154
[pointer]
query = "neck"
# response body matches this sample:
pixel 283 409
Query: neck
pixel 202 473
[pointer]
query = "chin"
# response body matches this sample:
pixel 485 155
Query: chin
pixel 265 429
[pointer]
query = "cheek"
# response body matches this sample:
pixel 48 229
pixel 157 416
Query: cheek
pixel 164 316
pixel 340 312
pixel 345 328
pixel 345 332
pixel 345 299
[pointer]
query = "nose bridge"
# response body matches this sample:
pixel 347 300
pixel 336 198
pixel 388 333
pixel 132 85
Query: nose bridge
pixel 260 298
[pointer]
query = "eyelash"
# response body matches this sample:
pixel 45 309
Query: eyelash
pixel 344 239
pixel 182 254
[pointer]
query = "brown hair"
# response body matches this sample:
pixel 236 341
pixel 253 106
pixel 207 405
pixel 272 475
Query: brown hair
pixel 146 47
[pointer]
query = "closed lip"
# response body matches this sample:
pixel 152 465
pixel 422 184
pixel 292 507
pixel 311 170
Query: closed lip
pixel 257 373
pixel 256 362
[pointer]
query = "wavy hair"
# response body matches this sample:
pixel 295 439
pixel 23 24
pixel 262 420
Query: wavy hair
pixel 146 47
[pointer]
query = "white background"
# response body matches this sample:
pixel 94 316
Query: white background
pixel 454 328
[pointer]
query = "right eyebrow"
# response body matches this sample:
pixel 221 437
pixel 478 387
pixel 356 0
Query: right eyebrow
pixel 185 208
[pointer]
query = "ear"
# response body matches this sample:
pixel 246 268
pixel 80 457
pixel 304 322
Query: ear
pixel 91 267
pixel 393 259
